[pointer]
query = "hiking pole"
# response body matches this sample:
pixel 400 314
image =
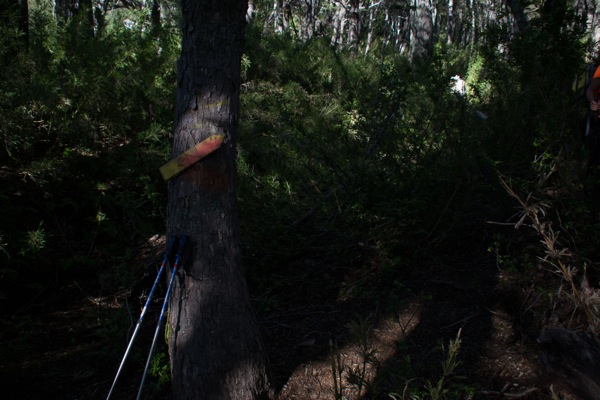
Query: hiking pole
pixel 178 258
pixel 169 250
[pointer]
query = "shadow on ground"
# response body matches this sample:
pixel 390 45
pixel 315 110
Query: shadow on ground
pixel 70 347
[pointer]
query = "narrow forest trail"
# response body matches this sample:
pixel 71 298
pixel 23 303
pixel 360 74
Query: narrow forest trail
pixel 381 346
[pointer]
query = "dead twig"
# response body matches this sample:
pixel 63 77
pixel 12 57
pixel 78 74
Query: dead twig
pixel 503 395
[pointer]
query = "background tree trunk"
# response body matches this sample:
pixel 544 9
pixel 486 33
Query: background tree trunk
pixel 421 37
pixel 353 25
pixel 518 14
pixel 215 347
pixel 339 19
pixel 64 9
pixel 155 17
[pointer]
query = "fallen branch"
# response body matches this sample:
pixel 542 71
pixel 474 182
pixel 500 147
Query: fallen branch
pixel 502 394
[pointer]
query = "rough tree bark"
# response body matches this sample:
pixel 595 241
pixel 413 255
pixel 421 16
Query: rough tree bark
pixel 518 12
pixel 214 344
pixel 421 33
pixel 571 361
pixel 353 25
pixel 64 9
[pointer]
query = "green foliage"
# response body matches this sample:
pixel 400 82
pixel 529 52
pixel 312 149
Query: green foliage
pixel 355 150
pixel 530 109
pixel 160 369
pixel 342 152
pixel 85 121
pixel 353 379
pixel 35 240
pixel 535 141
pixel 370 162
pixel 446 387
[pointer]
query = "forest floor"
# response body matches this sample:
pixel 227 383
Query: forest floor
pixel 382 335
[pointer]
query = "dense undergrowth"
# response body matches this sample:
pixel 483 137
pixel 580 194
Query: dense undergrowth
pixel 85 123
pixel 367 160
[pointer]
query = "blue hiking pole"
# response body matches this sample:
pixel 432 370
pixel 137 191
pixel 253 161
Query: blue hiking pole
pixel 178 258
pixel 170 246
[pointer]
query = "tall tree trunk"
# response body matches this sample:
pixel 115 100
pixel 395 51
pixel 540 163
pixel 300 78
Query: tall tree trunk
pixel 518 13
pixel 155 17
pixel 373 8
pixel 421 40
pixel 587 10
pixel 353 25
pixel 214 343
pixel 64 9
pixel 277 15
pixel 311 11
pixel 450 24
pixel 339 19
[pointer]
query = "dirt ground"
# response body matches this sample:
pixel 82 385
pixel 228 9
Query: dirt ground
pixel 406 338
pixel 379 337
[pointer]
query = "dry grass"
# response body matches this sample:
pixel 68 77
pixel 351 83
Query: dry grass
pixel 583 301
